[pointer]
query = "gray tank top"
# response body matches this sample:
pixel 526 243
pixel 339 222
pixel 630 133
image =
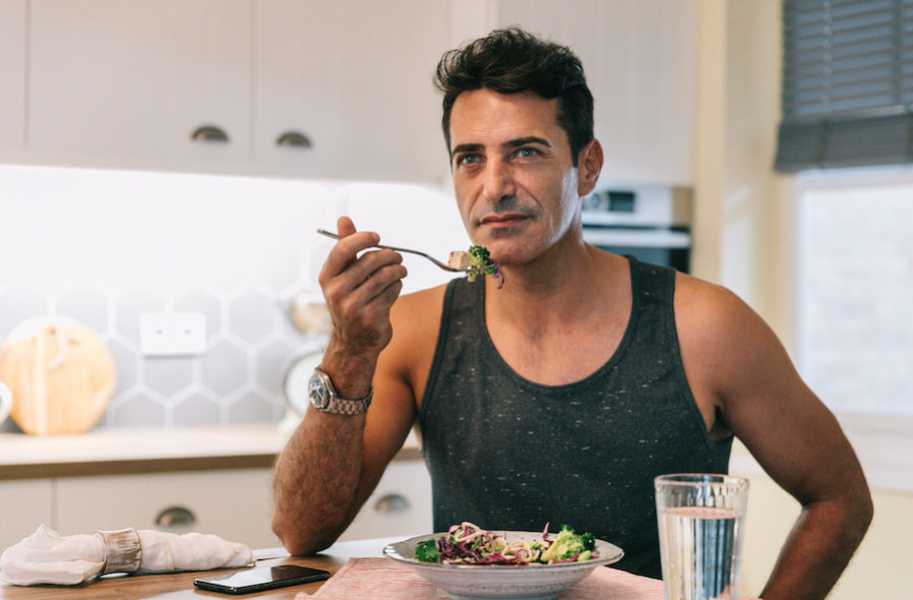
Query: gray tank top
pixel 507 453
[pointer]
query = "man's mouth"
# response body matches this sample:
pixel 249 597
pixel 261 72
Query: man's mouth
pixel 503 219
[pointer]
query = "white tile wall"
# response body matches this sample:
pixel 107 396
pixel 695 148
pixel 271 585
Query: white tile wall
pixel 104 247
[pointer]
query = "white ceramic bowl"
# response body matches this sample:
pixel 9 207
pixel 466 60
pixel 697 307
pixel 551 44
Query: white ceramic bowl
pixel 528 582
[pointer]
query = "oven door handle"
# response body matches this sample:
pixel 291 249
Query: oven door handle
pixel 634 238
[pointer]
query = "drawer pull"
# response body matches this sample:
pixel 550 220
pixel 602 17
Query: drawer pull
pixel 294 139
pixel 391 503
pixel 209 133
pixel 175 517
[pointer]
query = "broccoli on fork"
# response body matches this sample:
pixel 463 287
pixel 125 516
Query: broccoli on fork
pixel 477 261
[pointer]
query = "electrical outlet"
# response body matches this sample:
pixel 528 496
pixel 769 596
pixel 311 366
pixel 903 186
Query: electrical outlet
pixel 172 334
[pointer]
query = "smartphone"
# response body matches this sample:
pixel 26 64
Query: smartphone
pixel 259 579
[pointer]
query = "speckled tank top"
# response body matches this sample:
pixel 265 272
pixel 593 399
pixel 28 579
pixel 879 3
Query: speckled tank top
pixel 507 453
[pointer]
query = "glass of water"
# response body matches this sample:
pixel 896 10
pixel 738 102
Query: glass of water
pixel 700 518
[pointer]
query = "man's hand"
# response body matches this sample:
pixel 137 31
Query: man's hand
pixel 359 292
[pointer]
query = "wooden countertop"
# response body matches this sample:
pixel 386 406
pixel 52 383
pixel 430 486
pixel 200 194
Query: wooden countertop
pixel 121 451
pixel 179 586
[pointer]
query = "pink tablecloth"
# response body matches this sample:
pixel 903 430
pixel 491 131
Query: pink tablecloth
pixel 383 579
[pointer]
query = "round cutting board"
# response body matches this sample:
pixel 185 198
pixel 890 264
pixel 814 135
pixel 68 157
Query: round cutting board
pixel 61 375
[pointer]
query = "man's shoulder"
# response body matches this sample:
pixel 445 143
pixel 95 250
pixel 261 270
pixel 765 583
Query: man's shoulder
pixel 718 327
pixel 709 309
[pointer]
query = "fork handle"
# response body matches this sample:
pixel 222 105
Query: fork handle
pixel 336 237
pixel 444 266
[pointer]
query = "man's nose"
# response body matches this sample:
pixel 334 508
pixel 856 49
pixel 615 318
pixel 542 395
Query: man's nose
pixel 498 182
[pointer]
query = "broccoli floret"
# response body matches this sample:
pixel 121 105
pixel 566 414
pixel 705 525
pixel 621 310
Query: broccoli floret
pixel 568 544
pixel 588 541
pixel 480 263
pixel 427 551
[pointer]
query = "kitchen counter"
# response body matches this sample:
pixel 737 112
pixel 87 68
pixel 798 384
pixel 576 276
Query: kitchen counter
pixel 178 586
pixel 120 451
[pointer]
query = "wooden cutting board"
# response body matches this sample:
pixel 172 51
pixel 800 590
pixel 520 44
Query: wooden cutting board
pixel 61 375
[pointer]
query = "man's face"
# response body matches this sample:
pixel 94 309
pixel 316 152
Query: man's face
pixel 515 183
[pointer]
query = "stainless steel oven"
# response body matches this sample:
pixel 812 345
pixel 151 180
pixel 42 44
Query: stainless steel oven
pixel 651 223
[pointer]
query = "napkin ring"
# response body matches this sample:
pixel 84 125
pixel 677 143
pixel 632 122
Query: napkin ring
pixel 123 551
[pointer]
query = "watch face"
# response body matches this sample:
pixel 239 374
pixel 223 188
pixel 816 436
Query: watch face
pixel 298 381
pixel 318 392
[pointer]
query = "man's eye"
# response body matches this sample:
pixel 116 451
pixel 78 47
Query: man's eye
pixel 468 159
pixel 526 152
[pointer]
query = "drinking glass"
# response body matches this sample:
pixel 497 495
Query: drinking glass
pixel 700 518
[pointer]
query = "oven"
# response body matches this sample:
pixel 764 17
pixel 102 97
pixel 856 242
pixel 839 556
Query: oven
pixel 650 223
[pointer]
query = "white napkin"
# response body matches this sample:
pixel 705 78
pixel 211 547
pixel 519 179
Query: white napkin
pixel 47 557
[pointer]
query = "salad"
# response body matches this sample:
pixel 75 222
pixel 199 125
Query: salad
pixel 469 544
pixel 477 261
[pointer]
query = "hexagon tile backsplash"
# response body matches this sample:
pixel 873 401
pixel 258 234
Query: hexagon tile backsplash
pixel 250 343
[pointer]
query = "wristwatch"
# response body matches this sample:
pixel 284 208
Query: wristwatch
pixel 323 397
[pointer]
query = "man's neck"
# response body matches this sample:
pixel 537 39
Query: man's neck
pixel 561 288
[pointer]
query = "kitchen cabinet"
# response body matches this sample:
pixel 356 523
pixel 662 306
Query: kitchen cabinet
pixel 156 479
pixel 346 85
pixel 400 505
pixel 640 59
pixel 13 14
pixel 235 504
pixel 355 78
pixel 24 505
pixel 125 84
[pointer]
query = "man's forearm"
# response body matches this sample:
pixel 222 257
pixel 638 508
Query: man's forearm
pixel 818 549
pixel 315 481
pixel 317 474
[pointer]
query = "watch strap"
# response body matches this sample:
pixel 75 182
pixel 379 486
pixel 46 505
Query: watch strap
pixel 332 402
pixel 344 406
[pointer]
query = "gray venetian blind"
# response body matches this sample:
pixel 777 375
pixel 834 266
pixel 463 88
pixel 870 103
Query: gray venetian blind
pixel 847 84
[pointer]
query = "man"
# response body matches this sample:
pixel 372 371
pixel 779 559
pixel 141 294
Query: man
pixel 562 395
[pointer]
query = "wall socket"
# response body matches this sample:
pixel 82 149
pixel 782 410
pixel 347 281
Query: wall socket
pixel 172 334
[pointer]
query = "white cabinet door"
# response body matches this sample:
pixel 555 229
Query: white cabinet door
pixel 24 505
pixel 640 62
pixel 127 83
pixel 233 504
pixel 355 78
pixel 12 76
pixel 401 504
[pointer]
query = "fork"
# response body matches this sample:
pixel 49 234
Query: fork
pixel 440 264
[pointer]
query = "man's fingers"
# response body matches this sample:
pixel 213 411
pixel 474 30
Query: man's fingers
pixel 345 252
pixel 344 227
pixel 380 280
pixel 363 280
pixel 376 306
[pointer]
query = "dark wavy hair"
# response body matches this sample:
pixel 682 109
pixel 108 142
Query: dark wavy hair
pixel 510 61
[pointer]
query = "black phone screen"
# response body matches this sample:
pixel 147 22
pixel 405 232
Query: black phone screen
pixel 261 578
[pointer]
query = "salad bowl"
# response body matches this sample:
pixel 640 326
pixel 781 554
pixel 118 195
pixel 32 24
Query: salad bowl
pixel 526 582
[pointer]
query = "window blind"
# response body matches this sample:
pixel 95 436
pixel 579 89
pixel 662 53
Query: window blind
pixel 847 84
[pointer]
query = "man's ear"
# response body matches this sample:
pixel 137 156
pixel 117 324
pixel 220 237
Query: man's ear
pixel 589 165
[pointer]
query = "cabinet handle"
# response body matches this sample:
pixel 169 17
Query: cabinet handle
pixel 209 133
pixel 391 503
pixel 175 517
pixel 294 139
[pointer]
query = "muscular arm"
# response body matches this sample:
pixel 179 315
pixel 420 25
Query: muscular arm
pixel 332 462
pixel 794 437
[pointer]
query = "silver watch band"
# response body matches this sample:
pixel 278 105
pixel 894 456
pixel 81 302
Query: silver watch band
pixel 323 397
pixel 343 406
